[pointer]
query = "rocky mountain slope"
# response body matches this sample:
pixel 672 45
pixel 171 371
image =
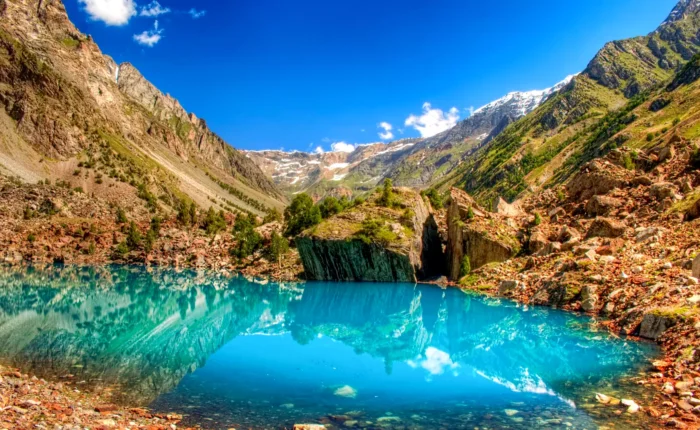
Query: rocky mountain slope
pixel 71 114
pixel 587 117
pixel 413 162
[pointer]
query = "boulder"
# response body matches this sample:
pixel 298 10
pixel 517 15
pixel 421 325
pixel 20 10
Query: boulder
pixel 606 227
pixel 694 211
pixel 654 324
pixel 662 190
pixel 502 207
pixel 598 177
pixel 589 298
pixel 602 205
pixel 508 285
pixel 474 233
pixel 538 242
pixel 696 267
pixel 556 293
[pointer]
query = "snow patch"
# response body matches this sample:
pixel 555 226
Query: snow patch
pixel 336 166
pixel 339 177
pixel 524 101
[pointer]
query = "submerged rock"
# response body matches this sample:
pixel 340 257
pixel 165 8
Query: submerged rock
pixel 345 391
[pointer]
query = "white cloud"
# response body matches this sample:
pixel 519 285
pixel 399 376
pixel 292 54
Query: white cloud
pixel 433 121
pixel 153 9
pixel 149 37
pixel 111 12
pixel 470 110
pixel 196 14
pixel 437 361
pixel 387 134
pixel 325 140
pixel 319 150
pixel 342 147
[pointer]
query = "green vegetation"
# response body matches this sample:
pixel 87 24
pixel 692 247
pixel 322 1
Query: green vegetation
pixel 31 238
pixel 466 267
pixel 434 197
pixel 214 222
pixel 470 213
pixel 538 218
pixel 301 214
pixel 331 206
pixel 150 198
pixel 70 42
pixel 187 213
pixel 407 217
pixel 279 245
pixel 375 230
pixel 29 213
pixel 387 198
pixel 273 215
pixel 248 241
pixel 133 237
pixel 121 216
pixel 238 194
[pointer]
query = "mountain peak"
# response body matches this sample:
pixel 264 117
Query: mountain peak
pixel 683 8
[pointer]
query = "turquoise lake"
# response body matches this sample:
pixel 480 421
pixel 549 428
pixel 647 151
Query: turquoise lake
pixel 232 353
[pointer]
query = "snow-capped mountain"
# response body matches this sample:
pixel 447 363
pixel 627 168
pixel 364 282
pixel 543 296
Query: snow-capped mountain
pixel 521 103
pixel 411 162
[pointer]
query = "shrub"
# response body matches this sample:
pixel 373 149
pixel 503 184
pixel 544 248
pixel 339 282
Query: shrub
pixel 91 248
pixel 676 121
pixel 214 221
pixel 407 217
pixel 279 245
pixel 121 216
pixel 29 213
pixel 538 218
pixel 121 250
pixel 434 198
pixel 133 237
pixel 156 223
pixel 375 231
pixel 330 206
pixel 247 239
pixel 466 267
pixel 650 137
pixel 387 198
pixel 273 215
pixel 31 238
pixel 470 213
pixel 628 162
pixel 151 237
pixel 301 214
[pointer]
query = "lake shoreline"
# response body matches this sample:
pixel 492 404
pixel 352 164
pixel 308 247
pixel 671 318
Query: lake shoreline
pixel 654 383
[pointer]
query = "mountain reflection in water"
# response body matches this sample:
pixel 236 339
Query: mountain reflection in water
pixel 172 339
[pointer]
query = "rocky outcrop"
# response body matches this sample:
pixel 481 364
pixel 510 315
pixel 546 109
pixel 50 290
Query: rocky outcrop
pixel 407 247
pixel 606 227
pixel 654 325
pixel 474 233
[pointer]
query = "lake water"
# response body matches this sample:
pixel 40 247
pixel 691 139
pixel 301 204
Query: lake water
pixel 228 352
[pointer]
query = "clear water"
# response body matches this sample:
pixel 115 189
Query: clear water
pixel 228 352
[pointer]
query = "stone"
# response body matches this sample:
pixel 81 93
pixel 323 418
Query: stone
pixel 662 190
pixel 309 427
pixel 606 227
pixel 502 207
pixel 696 266
pixel 507 286
pixel 632 406
pixel 538 242
pixel 345 391
pixel 683 404
pixel 602 205
pixel 654 325
pixel 589 298
pixel 651 234
pixel 510 412
pixel 694 211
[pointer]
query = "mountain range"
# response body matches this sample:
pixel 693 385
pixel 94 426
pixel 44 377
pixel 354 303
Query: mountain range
pixel 73 116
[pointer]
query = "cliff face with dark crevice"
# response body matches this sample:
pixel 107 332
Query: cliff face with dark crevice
pixel 405 250
pixel 474 233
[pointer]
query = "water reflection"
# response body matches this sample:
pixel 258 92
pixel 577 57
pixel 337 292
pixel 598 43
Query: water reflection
pixel 147 332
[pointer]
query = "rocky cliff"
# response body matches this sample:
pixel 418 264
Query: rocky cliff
pixel 475 236
pixel 374 243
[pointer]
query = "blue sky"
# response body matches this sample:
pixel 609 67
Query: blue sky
pixel 274 74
